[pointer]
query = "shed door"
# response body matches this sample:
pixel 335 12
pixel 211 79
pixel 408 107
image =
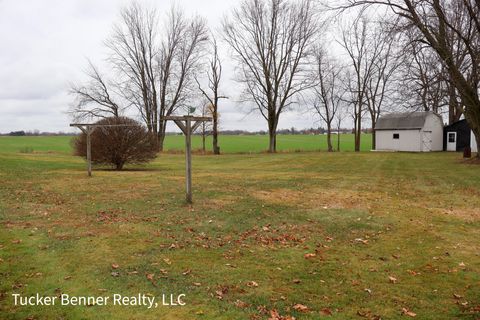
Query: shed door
pixel 426 141
pixel 451 141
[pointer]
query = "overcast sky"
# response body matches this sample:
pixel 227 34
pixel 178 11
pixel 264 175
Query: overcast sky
pixel 45 44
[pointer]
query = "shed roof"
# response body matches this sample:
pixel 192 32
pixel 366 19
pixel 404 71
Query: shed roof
pixel 403 121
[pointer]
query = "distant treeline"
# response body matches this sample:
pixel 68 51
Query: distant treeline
pixel 36 133
pixel 292 131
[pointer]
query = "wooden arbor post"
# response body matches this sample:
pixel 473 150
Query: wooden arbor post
pixel 88 128
pixel 188 124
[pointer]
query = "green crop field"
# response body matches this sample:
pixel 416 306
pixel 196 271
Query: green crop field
pixel 309 235
pixel 228 144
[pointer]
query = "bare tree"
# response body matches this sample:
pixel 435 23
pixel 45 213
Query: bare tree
pixel 206 127
pixel 271 40
pixel 354 40
pixel 434 19
pixel 95 99
pixel 214 74
pixel 179 58
pixel 328 93
pixel 133 54
pixel 425 81
pixel 156 70
pixel 385 63
pixel 340 115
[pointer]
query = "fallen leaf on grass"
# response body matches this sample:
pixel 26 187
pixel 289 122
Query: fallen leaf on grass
pixel 67 278
pixel 115 274
pixel 409 313
pixel 252 284
pixel 197 284
pixel 413 273
pixel 274 315
pixel 150 276
pixel 309 255
pixel 187 272
pixel 326 312
pixel 457 296
pixel 296 281
pixel 17 241
pixel 115 266
pixel 240 304
pixel 167 261
pixel 301 308
pixel 392 279
pixel 361 240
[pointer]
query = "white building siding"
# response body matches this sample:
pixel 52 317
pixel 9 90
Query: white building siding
pixel 408 140
pixel 434 124
pixel 473 143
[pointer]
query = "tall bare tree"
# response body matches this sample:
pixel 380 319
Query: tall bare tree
pixel 133 53
pixel 328 93
pixel 271 41
pixel 356 42
pixel 156 69
pixel 379 87
pixel 179 58
pixel 212 94
pixel 434 19
pixel 95 99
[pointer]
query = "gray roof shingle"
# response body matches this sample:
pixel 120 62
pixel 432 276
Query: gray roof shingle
pixel 402 121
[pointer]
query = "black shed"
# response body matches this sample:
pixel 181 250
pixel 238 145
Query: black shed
pixel 456 137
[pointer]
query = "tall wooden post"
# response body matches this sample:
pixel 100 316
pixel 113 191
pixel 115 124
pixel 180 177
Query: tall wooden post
pixel 188 161
pixel 185 124
pixel 88 130
pixel 89 152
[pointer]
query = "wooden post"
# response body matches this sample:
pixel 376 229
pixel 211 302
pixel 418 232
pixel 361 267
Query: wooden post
pixel 89 152
pixel 88 128
pixel 188 160
pixel 185 124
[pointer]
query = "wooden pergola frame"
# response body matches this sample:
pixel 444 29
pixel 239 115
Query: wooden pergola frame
pixel 88 128
pixel 188 124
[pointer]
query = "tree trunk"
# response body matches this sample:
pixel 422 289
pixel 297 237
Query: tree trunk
pixel 161 134
pixel 329 138
pixel 374 124
pixel 374 143
pixel 216 148
pixel 203 138
pixel 454 110
pixel 338 140
pixel 272 147
pixel 358 133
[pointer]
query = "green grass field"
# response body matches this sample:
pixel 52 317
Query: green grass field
pixel 228 144
pixel 307 235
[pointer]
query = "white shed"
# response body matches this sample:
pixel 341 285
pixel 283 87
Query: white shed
pixel 410 131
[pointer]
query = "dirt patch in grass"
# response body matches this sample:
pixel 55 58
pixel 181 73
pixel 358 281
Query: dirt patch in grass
pixel 468 214
pixel 314 198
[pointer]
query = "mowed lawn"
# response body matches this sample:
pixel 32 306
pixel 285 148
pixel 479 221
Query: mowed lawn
pixel 308 235
pixel 175 143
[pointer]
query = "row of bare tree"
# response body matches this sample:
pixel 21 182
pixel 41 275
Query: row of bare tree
pixel 421 55
pixel 443 43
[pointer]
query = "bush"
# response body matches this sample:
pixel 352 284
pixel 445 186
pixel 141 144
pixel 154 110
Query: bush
pixel 118 146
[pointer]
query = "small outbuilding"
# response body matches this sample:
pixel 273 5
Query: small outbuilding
pixel 458 136
pixel 409 131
